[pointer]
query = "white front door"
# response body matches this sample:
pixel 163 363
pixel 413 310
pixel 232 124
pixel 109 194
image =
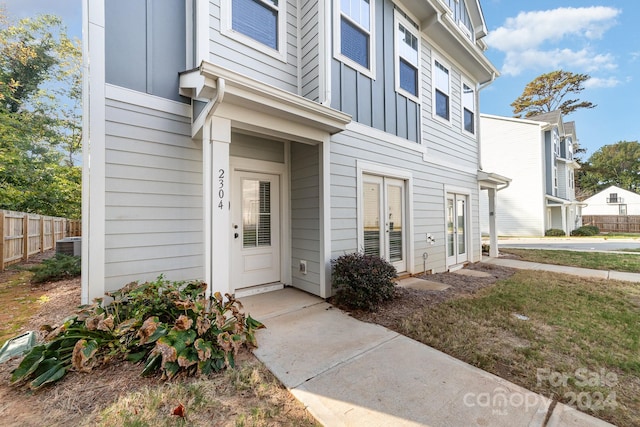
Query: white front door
pixel 457 235
pixel 255 213
pixel 384 231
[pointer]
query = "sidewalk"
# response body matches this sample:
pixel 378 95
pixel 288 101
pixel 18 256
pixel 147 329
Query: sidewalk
pixel 576 271
pixel 351 373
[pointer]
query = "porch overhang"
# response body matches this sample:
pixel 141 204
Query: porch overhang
pixel 492 180
pixel 274 111
pixel 552 201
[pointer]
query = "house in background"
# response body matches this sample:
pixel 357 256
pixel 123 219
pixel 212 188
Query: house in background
pixel 613 200
pixel 248 142
pixel 538 155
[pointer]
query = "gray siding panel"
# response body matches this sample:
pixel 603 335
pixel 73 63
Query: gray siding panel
pixel 253 147
pixel 235 55
pixel 153 196
pixel 310 53
pixel 305 216
pixel 429 182
pixel 145 45
pixel 375 102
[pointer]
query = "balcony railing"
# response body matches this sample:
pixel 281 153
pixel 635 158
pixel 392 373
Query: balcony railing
pixel 615 200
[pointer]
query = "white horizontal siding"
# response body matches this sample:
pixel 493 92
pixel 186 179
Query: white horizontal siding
pixel 516 150
pixel 153 196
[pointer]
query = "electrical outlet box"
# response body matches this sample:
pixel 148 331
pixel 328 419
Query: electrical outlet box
pixel 303 266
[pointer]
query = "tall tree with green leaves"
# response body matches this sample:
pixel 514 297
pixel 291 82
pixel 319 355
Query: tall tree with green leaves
pixel 39 117
pixel 616 164
pixel 547 93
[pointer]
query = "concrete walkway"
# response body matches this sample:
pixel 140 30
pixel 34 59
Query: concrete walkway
pixel 576 271
pixel 351 373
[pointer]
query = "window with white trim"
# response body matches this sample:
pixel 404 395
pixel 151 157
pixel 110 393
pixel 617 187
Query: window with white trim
pixel 257 23
pixel 441 91
pixel 468 108
pixel 354 42
pixel 407 59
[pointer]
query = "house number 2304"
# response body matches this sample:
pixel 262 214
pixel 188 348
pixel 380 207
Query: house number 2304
pixel 220 188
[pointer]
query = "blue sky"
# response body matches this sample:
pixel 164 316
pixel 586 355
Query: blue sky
pixel 528 38
pixel 599 38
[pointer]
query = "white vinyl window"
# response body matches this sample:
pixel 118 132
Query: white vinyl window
pixel 407 59
pixel 441 91
pixel 468 108
pixel 257 23
pixel 353 43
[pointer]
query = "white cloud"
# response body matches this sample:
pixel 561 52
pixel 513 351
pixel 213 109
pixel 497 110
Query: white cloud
pixel 596 82
pixel 529 40
pixel 585 60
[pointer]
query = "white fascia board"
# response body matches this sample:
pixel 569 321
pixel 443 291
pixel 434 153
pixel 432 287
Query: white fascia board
pixel 254 94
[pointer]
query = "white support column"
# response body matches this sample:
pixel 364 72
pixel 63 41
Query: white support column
pixel 325 218
pixel 220 206
pixel 563 213
pixel 493 229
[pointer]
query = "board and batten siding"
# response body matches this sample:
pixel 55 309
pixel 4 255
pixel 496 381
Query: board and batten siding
pixel 145 45
pixel 305 216
pixel 375 102
pixel 515 149
pixel 244 59
pixel 153 196
pixel 310 53
pixel 429 184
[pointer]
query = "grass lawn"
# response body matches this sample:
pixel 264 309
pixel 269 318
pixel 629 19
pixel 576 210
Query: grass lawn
pixel 580 344
pixel 595 260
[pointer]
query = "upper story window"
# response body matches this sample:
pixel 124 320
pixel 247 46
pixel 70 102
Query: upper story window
pixel 257 23
pixel 354 43
pixel 461 16
pixel 468 108
pixel 407 58
pixel 441 92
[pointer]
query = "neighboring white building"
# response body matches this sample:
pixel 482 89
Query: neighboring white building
pixel 613 201
pixel 537 154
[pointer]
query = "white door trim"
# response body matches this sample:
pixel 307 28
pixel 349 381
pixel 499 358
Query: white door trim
pixel 466 192
pixel 281 169
pixel 367 168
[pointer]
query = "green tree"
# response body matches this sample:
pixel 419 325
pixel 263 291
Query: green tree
pixel 39 117
pixel 547 93
pixel 615 164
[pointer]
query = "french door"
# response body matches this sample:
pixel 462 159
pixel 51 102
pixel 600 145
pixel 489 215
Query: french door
pixel 457 226
pixel 255 229
pixel 384 219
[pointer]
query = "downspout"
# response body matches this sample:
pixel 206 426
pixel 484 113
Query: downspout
pixel 326 56
pixel 213 104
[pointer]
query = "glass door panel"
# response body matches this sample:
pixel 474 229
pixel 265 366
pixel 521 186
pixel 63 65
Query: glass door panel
pixel 372 229
pixel 462 222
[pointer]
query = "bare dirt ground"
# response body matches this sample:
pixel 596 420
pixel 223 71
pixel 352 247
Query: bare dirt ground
pixel 79 398
pixel 408 301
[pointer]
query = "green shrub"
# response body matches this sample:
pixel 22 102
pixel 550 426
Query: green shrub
pixel 58 267
pixel 586 230
pixel 363 281
pixel 169 326
pixel 555 232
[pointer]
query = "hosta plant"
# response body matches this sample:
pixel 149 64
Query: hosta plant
pixel 170 327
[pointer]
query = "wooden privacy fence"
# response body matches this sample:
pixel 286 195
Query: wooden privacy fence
pixel 24 234
pixel 614 223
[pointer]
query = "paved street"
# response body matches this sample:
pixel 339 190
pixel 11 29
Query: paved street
pixel 571 243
